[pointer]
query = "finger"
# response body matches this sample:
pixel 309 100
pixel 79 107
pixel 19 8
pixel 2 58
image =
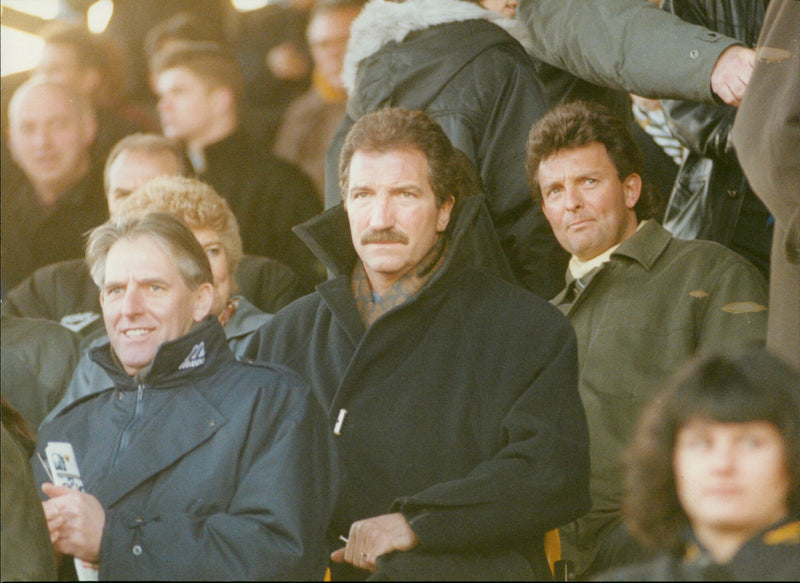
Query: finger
pixel 727 96
pixel 337 556
pixel 54 529
pixel 52 490
pixel 351 548
pixel 50 509
pixel 54 520
pixel 369 562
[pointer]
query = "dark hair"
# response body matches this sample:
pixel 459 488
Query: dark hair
pixel 450 172
pixel 169 232
pixel 183 26
pixel 214 63
pixel 751 386
pixel 148 144
pixel 581 123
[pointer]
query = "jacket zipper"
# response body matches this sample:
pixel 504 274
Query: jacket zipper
pixel 125 436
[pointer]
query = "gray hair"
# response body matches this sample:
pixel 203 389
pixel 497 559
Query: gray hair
pixel 169 232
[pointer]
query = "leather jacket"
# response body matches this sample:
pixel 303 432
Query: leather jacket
pixel 710 188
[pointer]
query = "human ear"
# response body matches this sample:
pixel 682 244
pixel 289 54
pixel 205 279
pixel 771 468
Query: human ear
pixel 632 189
pixel 203 300
pixel 444 214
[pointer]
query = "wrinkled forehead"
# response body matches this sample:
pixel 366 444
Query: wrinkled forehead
pixel 139 254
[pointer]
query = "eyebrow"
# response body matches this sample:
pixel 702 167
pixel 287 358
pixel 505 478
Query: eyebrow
pixel 145 281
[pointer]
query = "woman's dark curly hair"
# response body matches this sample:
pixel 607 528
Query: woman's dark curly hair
pixel 751 386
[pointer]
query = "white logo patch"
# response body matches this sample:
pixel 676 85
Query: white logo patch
pixel 196 357
pixel 77 322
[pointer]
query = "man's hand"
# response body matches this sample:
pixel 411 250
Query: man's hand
pixel 731 74
pixel 75 521
pixel 372 537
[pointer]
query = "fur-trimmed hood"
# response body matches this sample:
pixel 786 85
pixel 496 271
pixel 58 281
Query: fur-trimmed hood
pixel 383 21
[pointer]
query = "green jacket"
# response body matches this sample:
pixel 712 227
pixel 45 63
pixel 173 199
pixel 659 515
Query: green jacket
pixel 625 44
pixel 658 301
pixel 27 554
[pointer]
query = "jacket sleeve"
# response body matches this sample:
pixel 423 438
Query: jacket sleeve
pixel 272 528
pixel 736 313
pixel 539 478
pixel 703 128
pixel 24 300
pixel 27 554
pixel 625 44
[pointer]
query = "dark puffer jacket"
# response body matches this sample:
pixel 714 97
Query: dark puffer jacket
pixel 452 60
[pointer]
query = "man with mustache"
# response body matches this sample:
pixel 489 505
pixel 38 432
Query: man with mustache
pixel 450 391
pixel 641 301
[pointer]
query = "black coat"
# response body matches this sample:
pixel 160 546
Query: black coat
pixel 32 236
pixel 269 196
pixel 462 406
pixel 211 469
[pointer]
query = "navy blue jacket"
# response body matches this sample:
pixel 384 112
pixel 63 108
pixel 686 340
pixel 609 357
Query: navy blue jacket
pixel 207 468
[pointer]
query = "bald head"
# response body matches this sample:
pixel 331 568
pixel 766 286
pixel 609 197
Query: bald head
pixel 136 160
pixel 51 128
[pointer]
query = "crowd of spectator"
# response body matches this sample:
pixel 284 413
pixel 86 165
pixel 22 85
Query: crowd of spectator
pixel 404 289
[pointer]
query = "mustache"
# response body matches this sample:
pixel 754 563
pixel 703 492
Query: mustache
pixel 386 236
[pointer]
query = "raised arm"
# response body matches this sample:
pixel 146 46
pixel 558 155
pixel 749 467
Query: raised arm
pixel 634 46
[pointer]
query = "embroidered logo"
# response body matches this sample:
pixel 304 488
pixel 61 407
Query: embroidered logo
pixel 196 357
pixel 77 322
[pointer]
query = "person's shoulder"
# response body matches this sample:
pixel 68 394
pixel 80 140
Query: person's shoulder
pixel 70 272
pixel 506 301
pixel 277 387
pixel 270 374
pixel 708 256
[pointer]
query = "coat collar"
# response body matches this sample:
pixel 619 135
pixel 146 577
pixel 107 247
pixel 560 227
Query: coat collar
pixel 473 240
pixel 199 352
pixel 473 244
pixel 384 21
pixel 645 246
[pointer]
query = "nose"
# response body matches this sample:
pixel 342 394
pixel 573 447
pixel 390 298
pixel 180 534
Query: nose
pixel 723 456
pixel 163 104
pixel 573 199
pixel 41 137
pixel 381 215
pixel 132 302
